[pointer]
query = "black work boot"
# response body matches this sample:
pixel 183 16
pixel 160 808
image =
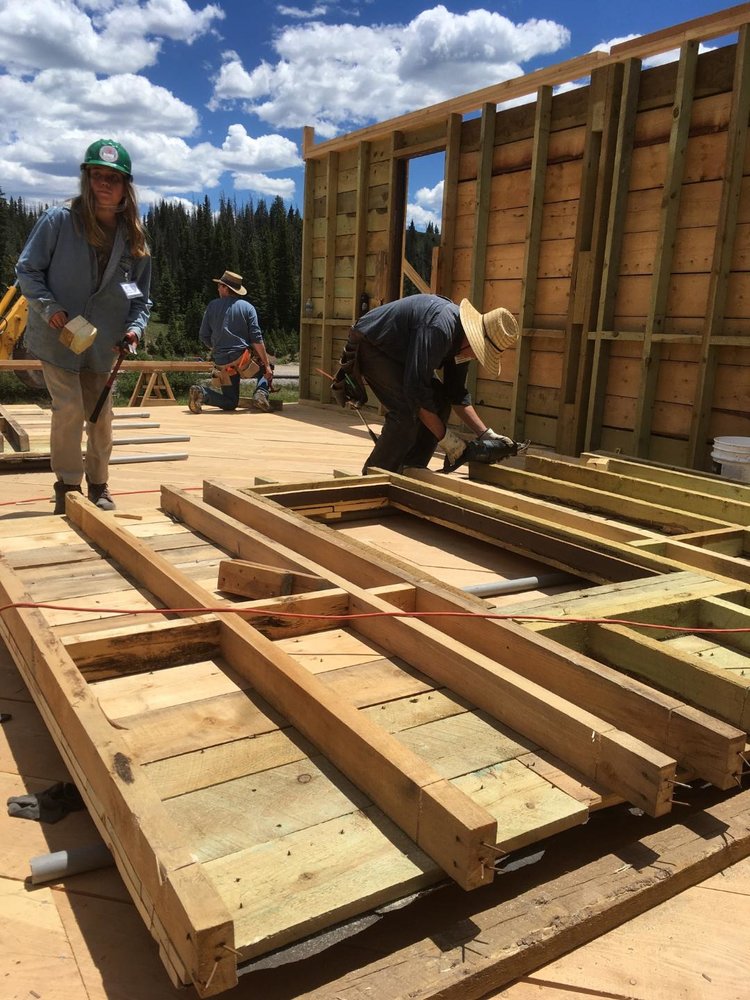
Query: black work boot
pixel 60 491
pixel 98 494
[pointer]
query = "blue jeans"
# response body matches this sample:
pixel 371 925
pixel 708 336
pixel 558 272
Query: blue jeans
pixel 229 396
pixel 404 440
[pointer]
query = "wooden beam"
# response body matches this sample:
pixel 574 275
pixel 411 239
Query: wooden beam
pixel 570 414
pixel 540 152
pixel 664 253
pixel 632 510
pixel 562 907
pixel 722 693
pixel 13 431
pixel 443 284
pixel 726 228
pixel 308 226
pixel 722 510
pixel 695 740
pixel 414 277
pixel 723 22
pixel 360 237
pixel 147 367
pixel 251 579
pixel 710 26
pixel 329 279
pixel 610 273
pixel 482 196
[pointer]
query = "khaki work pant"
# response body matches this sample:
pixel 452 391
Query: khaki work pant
pixel 74 396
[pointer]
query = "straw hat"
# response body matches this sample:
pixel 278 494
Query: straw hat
pixel 233 281
pixel 489 334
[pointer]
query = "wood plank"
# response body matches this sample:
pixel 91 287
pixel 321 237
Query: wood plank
pixel 249 579
pixel 254 752
pixel 12 364
pixel 690 500
pixel 11 429
pixel 635 511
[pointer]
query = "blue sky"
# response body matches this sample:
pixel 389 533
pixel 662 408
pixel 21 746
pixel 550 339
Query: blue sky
pixel 211 98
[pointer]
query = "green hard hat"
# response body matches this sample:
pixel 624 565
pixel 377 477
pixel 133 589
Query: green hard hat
pixel 108 153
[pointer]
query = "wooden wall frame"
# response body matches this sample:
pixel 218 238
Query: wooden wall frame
pixel 613 219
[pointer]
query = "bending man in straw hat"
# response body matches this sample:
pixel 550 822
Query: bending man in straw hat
pixel 231 330
pixel 396 349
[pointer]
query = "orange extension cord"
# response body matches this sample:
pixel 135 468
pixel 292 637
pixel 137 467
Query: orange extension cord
pixel 265 612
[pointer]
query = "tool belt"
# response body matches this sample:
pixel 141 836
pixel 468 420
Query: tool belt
pixel 245 365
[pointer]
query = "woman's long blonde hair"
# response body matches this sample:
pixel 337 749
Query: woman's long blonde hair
pixel 84 205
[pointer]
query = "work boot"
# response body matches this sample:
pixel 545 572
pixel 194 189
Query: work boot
pixel 99 495
pixel 61 489
pixel 260 399
pixel 195 398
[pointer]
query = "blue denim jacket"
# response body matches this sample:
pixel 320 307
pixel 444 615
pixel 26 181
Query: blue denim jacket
pixel 57 270
pixel 229 326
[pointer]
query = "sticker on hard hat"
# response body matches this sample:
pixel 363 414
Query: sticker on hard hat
pixel 108 153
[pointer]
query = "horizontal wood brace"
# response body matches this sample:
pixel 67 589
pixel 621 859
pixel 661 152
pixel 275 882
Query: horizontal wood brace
pixel 638 336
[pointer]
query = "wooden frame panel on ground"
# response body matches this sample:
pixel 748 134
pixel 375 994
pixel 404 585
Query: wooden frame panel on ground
pixel 408 735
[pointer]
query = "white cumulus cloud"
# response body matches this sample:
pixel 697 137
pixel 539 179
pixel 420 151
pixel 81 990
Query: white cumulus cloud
pixel 344 75
pixel 72 71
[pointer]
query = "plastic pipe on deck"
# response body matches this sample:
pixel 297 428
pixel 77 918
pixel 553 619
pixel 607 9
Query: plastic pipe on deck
pixel 59 864
pixel 518 586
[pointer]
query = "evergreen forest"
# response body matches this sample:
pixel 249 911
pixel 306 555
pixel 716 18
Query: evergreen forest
pixel 190 247
pixel 193 245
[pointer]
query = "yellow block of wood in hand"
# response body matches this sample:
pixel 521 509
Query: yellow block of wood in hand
pixel 78 334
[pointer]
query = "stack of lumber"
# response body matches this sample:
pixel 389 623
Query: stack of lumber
pixel 25 437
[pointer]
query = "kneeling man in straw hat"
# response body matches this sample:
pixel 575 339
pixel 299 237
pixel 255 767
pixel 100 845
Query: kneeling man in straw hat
pixel 396 349
pixel 231 330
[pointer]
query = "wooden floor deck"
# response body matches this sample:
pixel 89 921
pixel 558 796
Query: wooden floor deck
pixel 84 938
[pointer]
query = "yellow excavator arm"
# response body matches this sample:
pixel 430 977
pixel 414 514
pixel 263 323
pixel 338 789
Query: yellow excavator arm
pixel 14 311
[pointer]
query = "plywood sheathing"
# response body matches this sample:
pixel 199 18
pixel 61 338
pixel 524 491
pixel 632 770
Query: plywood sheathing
pixel 612 218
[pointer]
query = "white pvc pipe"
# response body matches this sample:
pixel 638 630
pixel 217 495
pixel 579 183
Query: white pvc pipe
pixel 518 586
pixel 52 867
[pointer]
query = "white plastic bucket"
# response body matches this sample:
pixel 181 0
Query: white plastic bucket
pixel 732 457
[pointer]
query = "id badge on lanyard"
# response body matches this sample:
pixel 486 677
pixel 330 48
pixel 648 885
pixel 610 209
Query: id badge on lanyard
pixel 132 291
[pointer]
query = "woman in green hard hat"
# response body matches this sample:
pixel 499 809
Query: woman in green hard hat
pixel 89 259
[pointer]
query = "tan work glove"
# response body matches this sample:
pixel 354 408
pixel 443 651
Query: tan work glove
pixel 452 445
